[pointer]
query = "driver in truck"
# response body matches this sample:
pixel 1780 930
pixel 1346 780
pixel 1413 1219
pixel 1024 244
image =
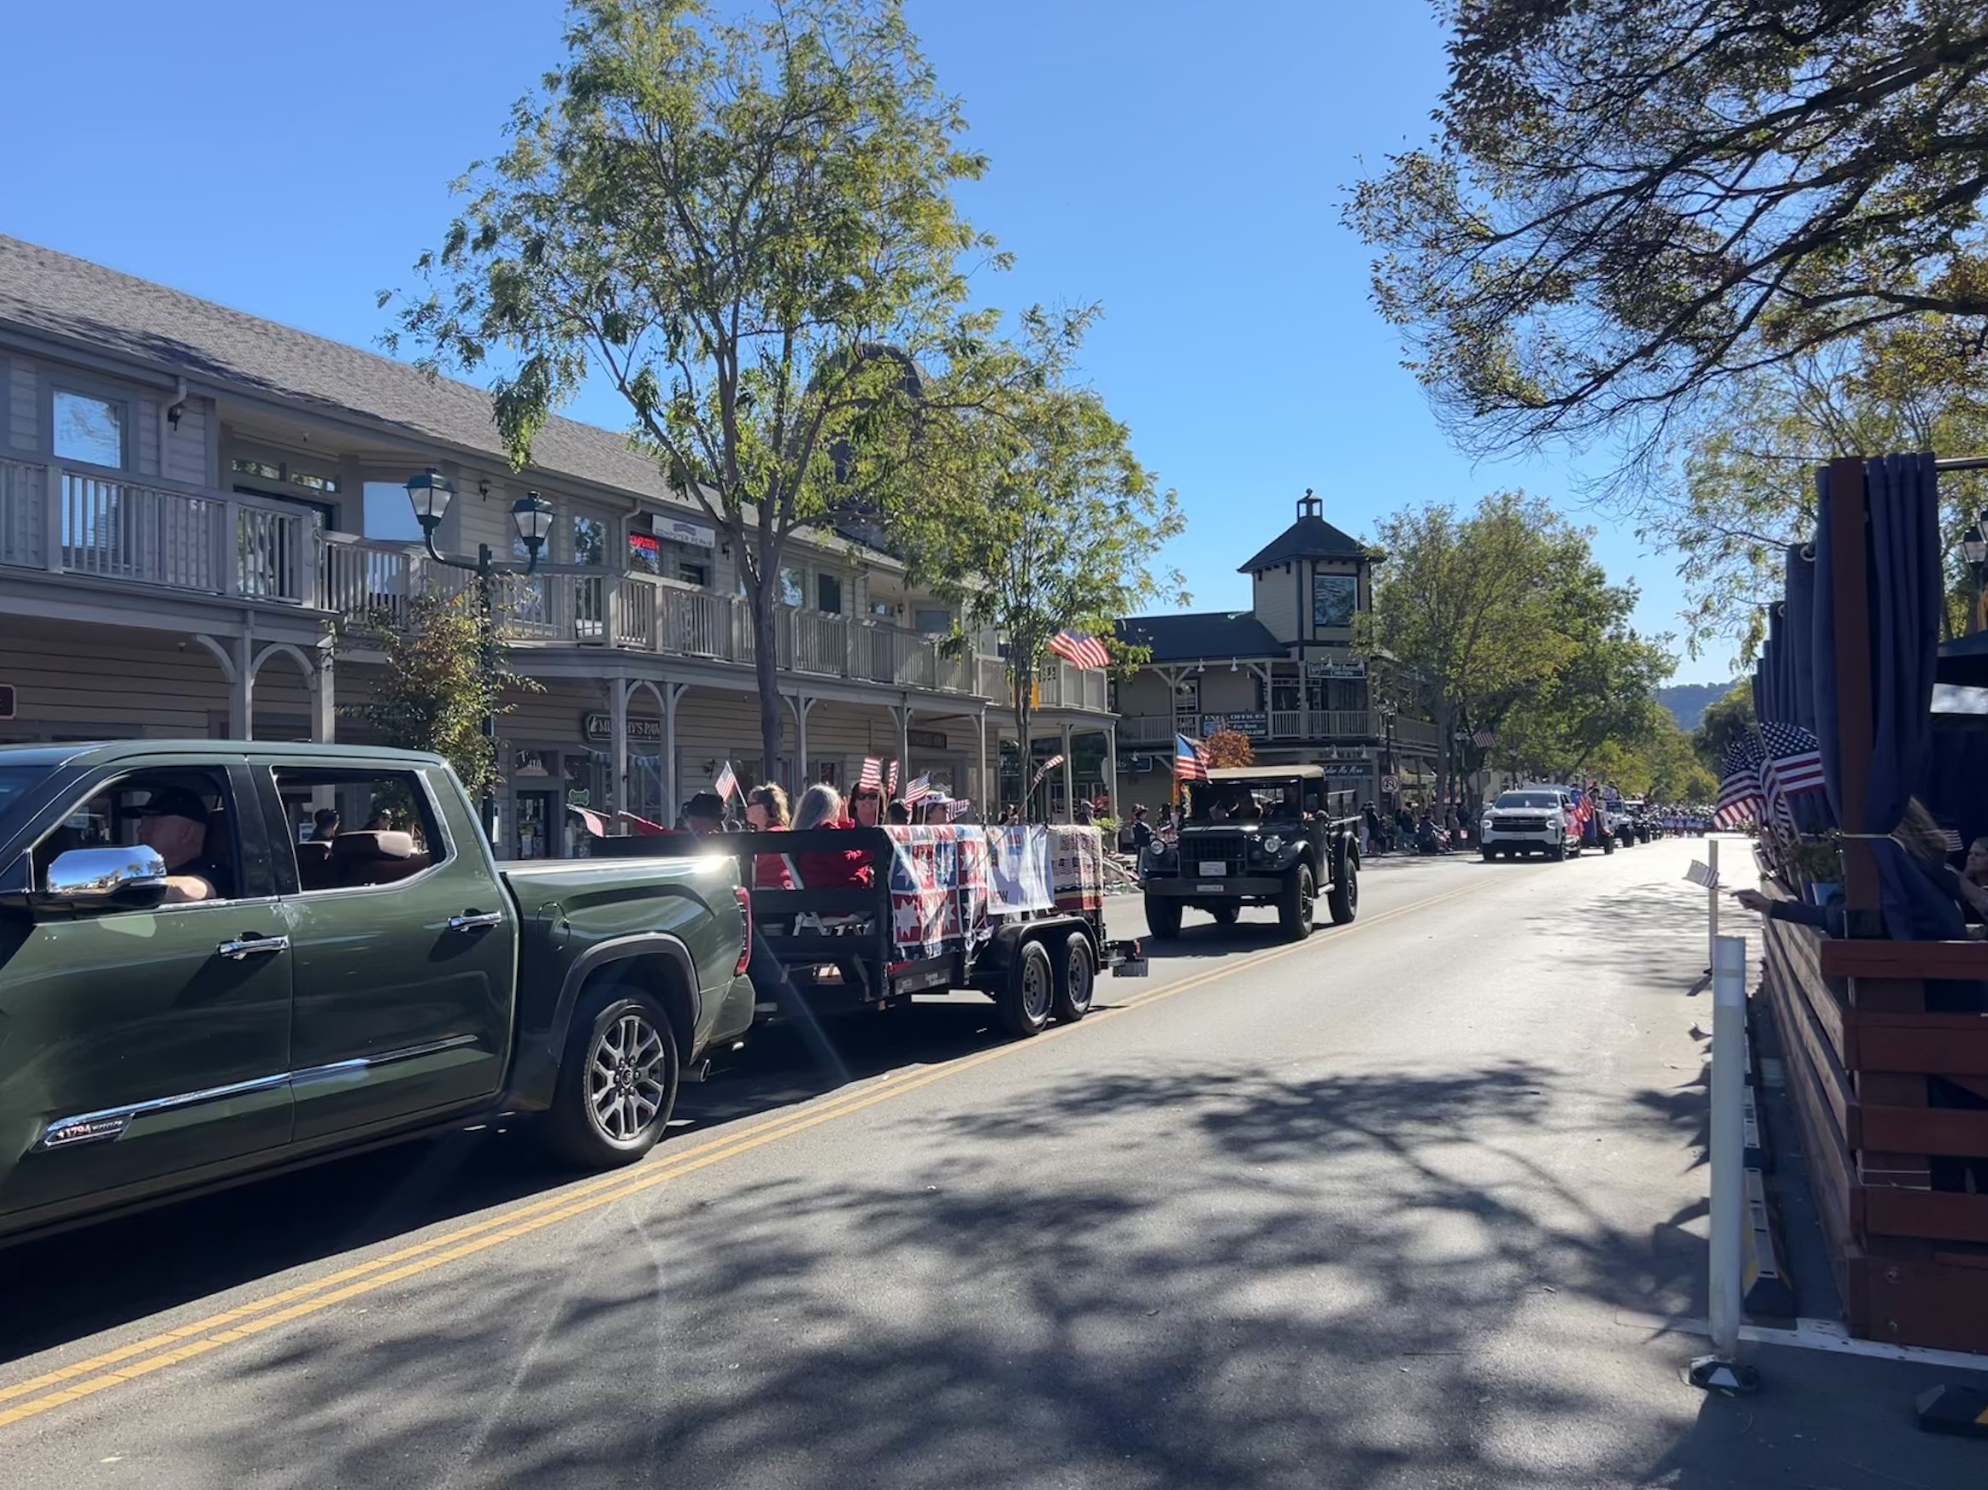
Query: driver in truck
pixel 173 823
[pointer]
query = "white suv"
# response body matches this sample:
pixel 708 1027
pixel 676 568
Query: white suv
pixel 1531 820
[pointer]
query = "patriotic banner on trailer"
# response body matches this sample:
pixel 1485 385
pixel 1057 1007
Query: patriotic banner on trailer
pixel 1018 870
pixel 1043 770
pixel 939 889
pixel 725 783
pixel 1076 867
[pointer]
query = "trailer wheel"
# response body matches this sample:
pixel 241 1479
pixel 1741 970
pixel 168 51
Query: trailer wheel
pixel 1162 918
pixel 1076 979
pixel 1029 995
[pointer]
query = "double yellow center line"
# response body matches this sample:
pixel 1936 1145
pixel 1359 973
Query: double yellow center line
pixel 80 1379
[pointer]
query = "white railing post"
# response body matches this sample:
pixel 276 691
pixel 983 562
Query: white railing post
pixel 1721 1370
pixel 53 529
pixel 228 548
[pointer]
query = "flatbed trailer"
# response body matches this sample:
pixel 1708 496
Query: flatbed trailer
pixel 932 920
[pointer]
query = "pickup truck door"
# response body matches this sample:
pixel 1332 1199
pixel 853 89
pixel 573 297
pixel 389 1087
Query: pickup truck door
pixel 140 1047
pixel 404 961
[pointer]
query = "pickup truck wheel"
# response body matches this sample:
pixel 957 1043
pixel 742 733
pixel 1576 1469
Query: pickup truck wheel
pixel 1076 979
pixel 1225 915
pixel 1608 843
pixel 618 1082
pixel 1025 1002
pixel 1294 906
pixel 1163 918
pixel 1557 852
pixel 1490 854
pixel 1343 899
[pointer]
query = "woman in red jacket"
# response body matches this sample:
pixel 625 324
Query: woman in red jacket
pixel 766 812
pixel 821 807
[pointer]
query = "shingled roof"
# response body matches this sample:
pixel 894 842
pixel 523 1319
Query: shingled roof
pixel 74 300
pixel 1310 537
pixel 1195 636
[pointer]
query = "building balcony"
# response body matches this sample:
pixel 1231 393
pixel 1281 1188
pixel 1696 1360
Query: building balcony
pixel 1277 727
pixel 189 541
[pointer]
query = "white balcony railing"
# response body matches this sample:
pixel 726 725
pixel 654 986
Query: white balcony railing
pixel 64 519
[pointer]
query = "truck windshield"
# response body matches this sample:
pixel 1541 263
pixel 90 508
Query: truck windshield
pixel 16 782
pixel 1536 800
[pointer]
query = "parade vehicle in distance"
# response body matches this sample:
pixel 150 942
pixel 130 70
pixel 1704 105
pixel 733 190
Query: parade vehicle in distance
pixel 1258 835
pixel 1531 820
pixel 279 992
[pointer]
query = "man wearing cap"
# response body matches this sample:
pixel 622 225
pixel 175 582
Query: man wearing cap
pixel 704 814
pixel 173 823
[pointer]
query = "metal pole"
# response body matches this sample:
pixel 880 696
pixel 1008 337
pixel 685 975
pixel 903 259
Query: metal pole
pixel 1728 1138
pixel 1712 902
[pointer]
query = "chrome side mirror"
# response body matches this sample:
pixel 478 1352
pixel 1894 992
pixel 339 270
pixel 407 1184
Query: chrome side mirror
pixel 122 879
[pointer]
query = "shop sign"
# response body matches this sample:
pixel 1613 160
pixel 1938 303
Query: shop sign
pixel 1348 768
pixel 1255 726
pixel 925 739
pixel 599 728
pixel 682 530
pixel 1336 669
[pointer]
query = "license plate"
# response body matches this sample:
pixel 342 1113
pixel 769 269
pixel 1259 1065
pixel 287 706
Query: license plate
pixel 1204 889
pixel 1132 967
pixel 1214 866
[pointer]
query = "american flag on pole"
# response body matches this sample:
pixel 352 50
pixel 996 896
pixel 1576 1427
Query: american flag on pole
pixel 1791 763
pixel 890 779
pixel 1044 769
pixel 917 790
pixel 1190 761
pixel 871 777
pixel 1741 798
pixel 1079 651
pixel 725 783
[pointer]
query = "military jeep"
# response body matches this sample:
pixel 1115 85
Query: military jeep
pixel 1257 835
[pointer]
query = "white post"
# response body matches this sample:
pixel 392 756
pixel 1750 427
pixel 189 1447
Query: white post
pixel 1728 1139
pixel 619 690
pixel 1712 899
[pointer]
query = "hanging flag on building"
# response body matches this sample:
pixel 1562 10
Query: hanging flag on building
pixel 871 777
pixel 890 779
pixel 1485 737
pixel 1741 799
pixel 1190 761
pixel 917 790
pixel 1044 769
pixel 725 783
pixel 1079 651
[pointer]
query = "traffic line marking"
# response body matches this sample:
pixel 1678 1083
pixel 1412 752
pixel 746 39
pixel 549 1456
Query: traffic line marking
pixel 173 1347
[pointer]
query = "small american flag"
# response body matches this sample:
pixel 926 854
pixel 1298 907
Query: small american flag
pixel 1953 840
pixel 1044 769
pixel 1740 795
pixel 1079 651
pixel 1484 737
pixel 917 790
pixel 1190 761
pixel 1791 762
pixel 725 783
pixel 958 808
pixel 871 777
pixel 890 779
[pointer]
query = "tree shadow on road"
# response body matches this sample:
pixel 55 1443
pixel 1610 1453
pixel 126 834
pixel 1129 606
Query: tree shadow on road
pixel 1225 1278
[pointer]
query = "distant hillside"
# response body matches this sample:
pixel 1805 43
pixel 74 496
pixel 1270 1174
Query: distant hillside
pixel 1689 701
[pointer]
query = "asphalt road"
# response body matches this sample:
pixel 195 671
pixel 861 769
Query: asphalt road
pixel 1391 1208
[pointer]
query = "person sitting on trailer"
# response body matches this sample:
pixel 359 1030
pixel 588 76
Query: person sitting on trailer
pixel 766 812
pixel 821 807
pixel 866 806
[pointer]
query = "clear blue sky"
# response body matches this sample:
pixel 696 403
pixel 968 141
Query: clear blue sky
pixel 1179 161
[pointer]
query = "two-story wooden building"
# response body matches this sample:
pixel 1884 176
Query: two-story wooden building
pixel 1288 673
pixel 192 499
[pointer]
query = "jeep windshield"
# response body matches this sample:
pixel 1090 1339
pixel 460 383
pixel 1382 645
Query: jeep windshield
pixel 1527 802
pixel 1248 801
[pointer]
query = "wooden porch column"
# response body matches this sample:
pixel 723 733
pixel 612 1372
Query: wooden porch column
pixel 672 695
pixel 617 732
pixel 1111 767
pixel 324 700
pixel 1069 777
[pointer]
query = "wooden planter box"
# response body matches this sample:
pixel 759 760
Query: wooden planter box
pixel 1911 1262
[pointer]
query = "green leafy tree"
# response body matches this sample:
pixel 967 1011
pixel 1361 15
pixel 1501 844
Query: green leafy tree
pixel 747 230
pixel 1723 723
pixel 1048 521
pixel 1629 203
pixel 1466 604
pixel 445 674
pixel 1742 485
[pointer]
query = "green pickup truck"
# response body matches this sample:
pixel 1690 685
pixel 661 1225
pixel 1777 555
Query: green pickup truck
pixel 220 959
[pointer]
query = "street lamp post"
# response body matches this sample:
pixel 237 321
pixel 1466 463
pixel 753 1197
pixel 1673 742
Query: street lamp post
pixel 1974 549
pixel 1387 719
pixel 430 492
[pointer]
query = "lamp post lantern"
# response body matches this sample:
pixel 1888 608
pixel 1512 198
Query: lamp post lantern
pixel 430 492
pixel 1974 549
